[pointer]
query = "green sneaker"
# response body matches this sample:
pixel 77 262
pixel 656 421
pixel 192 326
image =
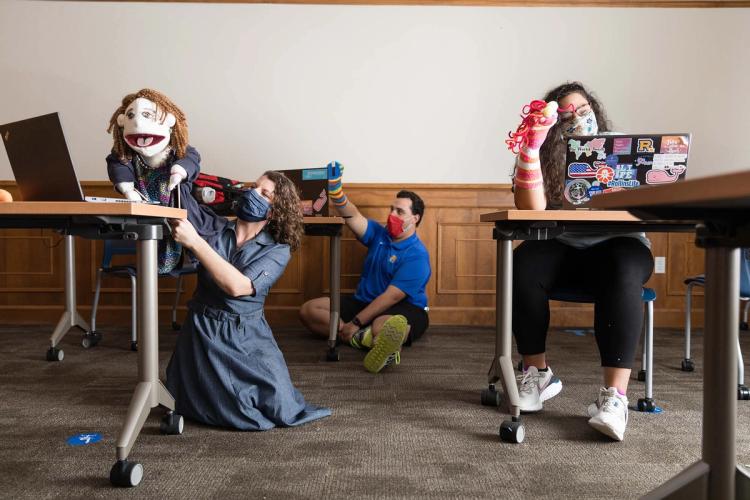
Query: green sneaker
pixel 362 340
pixel 387 348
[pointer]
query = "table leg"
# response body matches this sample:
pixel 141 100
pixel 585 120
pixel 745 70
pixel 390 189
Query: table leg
pixel 149 392
pixel 70 317
pixel 335 284
pixel 720 369
pixel 502 364
pixel 717 474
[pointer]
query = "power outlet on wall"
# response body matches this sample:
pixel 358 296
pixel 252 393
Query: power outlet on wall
pixel 660 265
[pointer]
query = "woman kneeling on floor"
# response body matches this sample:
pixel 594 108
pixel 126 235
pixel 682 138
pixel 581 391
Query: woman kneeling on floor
pixel 226 369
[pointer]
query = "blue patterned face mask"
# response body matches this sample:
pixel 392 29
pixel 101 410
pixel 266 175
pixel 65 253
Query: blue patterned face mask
pixel 252 207
pixel 581 125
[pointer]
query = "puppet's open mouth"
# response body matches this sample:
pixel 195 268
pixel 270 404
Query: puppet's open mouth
pixel 143 140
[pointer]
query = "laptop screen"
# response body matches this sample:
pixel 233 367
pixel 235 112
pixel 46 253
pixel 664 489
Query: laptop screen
pixel 40 159
pixel 605 163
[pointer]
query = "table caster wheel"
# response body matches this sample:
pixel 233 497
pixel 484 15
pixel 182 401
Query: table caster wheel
pixel 641 375
pixel 688 365
pixel 172 424
pixel 333 355
pixel 55 354
pixel 743 325
pixel 175 326
pixel 646 405
pixel 126 474
pixel 90 339
pixel 490 396
pixel 134 346
pixel 512 431
pixel 743 393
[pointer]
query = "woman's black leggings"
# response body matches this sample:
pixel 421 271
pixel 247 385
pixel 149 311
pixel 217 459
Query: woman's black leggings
pixel 612 272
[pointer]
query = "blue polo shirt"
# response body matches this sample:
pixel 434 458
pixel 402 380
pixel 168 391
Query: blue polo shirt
pixel 404 264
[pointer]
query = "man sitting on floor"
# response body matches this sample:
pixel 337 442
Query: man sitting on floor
pixel 389 307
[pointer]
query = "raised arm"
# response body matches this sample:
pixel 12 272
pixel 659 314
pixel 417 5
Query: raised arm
pixel 345 208
pixel 528 183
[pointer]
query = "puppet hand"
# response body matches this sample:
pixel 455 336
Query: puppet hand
pixel 178 174
pixel 335 187
pixel 335 170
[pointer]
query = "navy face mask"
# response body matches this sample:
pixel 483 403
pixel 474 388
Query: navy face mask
pixel 252 207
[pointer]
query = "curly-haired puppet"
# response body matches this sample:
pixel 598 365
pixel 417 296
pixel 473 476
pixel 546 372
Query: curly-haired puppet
pixel 151 157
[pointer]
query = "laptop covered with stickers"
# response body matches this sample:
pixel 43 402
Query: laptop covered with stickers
pixel 614 162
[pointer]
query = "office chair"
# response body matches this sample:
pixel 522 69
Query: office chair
pixel 743 393
pixel 127 247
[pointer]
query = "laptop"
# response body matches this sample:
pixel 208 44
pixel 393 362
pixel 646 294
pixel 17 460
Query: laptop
pixel 41 162
pixel 605 163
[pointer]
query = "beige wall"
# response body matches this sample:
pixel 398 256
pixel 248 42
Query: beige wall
pixel 398 94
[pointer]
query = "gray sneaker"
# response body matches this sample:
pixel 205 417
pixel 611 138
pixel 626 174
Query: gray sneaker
pixel 609 414
pixel 536 388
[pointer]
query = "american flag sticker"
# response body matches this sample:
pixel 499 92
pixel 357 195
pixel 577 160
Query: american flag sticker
pixel 581 171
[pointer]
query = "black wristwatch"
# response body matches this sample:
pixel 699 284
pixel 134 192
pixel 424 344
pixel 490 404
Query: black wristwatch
pixel 356 322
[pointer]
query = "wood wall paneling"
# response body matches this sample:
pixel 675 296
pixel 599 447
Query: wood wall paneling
pixel 462 255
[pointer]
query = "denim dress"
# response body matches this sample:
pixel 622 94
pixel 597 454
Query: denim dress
pixel 227 369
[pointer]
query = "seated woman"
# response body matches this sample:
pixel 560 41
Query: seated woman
pixel 539 267
pixel 226 369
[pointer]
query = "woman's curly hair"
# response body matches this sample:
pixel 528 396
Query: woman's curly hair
pixel 179 138
pixel 552 153
pixel 285 223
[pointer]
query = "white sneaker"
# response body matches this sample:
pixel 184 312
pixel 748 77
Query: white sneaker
pixel 609 414
pixel 536 388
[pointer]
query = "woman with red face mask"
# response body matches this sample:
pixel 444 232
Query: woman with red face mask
pixel 389 307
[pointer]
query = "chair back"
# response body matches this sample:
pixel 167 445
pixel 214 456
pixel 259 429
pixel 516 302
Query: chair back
pixel 116 247
pixel 563 295
pixel 745 272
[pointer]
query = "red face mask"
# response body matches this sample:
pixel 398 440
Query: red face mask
pixel 395 226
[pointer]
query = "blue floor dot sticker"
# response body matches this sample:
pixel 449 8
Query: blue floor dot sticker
pixel 578 333
pixel 84 439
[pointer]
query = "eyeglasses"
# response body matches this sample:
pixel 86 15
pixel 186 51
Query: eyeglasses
pixel 567 113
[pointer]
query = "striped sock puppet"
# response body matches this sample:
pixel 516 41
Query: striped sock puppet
pixel 335 187
pixel 526 141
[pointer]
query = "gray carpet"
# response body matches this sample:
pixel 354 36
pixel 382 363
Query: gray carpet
pixel 416 430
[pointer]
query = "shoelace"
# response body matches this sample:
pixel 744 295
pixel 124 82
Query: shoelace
pixel 608 403
pixel 529 118
pixel 529 381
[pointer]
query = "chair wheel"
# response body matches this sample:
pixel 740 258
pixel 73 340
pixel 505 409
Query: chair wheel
pixel 126 474
pixel 175 326
pixel 642 375
pixel 490 396
pixel 172 424
pixel 55 354
pixel 646 405
pixel 688 365
pixel 512 431
pixel 134 346
pixel 90 339
pixel 333 355
pixel 744 325
pixel 743 393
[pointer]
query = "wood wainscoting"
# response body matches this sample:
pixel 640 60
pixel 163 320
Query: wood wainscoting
pixel 462 254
